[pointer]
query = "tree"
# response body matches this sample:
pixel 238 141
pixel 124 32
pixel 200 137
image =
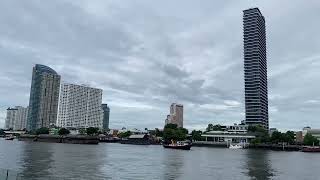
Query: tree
pixel 63 131
pixel 158 133
pixel 196 135
pixel 43 130
pixel 310 140
pixel 82 131
pixel 212 127
pixel 124 134
pixel 92 130
pixel 171 132
pixel 262 135
pixel 2 132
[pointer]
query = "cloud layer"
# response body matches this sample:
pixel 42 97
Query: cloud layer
pixel 146 55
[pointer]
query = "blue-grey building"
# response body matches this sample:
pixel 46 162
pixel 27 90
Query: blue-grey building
pixel 44 97
pixel 255 68
pixel 106 115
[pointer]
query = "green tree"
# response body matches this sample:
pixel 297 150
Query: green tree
pixel 289 137
pixel 212 127
pixel 124 134
pixel 82 131
pixel 158 133
pixel 262 135
pixel 196 135
pixel 2 132
pixel 171 132
pixel 310 140
pixel 170 126
pixel 63 131
pixel 43 130
pixel 92 130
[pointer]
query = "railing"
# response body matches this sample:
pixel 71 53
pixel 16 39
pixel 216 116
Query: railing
pixel 6 174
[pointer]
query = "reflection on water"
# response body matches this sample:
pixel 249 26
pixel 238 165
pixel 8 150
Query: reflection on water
pixel 173 161
pixel 258 164
pixel 36 160
pixel 41 161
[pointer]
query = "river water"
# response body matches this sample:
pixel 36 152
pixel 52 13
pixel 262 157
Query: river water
pixel 36 160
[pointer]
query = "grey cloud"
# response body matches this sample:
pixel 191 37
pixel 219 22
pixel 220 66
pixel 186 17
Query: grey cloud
pixel 146 55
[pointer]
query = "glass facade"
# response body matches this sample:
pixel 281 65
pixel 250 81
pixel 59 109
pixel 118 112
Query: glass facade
pixel 106 114
pixel 44 96
pixel 255 68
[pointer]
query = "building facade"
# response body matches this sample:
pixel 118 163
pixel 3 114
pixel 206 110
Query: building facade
pixel 10 118
pixel 44 97
pixel 16 118
pixel 176 115
pixel 80 107
pixel 21 118
pixel 106 115
pixel 255 68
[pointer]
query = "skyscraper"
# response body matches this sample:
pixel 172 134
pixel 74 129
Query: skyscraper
pixel 80 106
pixel 106 115
pixel 10 119
pixel 21 118
pixel 176 115
pixel 44 96
pixel 16 118
pixel 255 68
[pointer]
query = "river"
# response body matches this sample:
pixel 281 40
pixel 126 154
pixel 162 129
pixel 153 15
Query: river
pixel 37 160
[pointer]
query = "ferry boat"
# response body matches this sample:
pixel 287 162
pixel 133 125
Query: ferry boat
pixel 184 145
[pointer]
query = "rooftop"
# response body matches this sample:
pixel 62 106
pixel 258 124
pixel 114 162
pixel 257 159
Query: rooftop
pixel 45 69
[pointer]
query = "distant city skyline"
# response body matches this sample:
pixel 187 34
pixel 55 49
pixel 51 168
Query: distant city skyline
pixel 186 52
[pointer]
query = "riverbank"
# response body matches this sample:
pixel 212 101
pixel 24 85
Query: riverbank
pixel 69 139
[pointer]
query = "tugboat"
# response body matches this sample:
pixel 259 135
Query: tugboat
pixel 184 145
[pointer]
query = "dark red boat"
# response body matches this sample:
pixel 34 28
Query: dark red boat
pixel 179 145
pixel 311 149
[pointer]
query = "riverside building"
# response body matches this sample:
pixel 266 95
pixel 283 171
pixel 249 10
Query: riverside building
pixel 255 68
pixel 44 96
pixel 106 115
pixel 16 118
pixel 80 107
pixel 176 115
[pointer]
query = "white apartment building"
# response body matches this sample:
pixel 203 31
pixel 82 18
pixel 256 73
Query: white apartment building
pixel 80 106
pixel 21 118
pixel 16 118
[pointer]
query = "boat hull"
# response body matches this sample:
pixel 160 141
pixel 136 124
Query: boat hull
pixel 185 147
pixel 311 149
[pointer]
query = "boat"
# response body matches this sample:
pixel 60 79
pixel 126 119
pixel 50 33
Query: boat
pixel 9 138
pixel 237 146
pixel 184 145
pixel 310 149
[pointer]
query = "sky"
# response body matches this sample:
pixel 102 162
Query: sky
pixel 146 55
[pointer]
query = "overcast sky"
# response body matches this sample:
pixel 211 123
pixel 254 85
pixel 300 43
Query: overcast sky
pixel 147 54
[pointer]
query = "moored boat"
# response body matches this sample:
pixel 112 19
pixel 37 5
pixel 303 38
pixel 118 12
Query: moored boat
pixel 310 149
pixel 237 146
pixel 9 138
pixel 179 145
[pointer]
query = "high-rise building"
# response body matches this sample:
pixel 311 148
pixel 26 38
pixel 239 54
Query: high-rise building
pixel 44 97
pixel 176 115
pixel 21 118
pixel 11 117
pixel 106 115
pixel 80 107
pixel 255 68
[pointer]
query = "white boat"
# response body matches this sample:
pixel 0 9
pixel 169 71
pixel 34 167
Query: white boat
pixel 237 146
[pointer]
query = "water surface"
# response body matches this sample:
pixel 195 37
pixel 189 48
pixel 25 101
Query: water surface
pixel 40 160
